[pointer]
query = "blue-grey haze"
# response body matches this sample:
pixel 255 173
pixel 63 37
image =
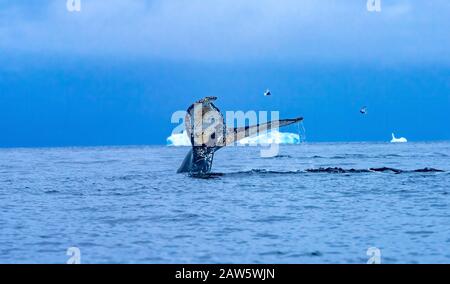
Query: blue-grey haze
pixel 114 73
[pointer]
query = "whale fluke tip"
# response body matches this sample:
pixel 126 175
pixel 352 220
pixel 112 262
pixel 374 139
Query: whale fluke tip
pixel 207 99
pixel 297 119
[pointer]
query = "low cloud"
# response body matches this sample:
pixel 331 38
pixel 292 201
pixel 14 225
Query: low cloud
pixel 230 30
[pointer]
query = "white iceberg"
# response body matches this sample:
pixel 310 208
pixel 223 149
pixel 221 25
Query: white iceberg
pixel 274 136
pixel 178 139
pixel 398 140
pixel 270 137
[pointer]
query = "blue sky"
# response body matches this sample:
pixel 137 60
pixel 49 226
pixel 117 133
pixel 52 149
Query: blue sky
pixel 114 73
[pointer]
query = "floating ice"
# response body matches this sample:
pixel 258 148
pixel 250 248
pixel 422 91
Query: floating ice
pixel 398 140
pixel 178 139
pixel 274 136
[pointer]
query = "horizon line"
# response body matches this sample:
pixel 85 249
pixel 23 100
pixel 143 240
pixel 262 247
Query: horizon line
pixel 172 146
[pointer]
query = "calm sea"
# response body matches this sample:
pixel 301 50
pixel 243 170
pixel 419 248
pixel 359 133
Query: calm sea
pixel 313 203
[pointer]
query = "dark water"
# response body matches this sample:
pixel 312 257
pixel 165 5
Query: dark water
pixel 127 205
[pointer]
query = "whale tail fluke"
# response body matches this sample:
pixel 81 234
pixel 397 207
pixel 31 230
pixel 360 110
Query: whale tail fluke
pixel 239 133
pixel 206 129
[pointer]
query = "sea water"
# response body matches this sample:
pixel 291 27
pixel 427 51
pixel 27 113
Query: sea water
pixel 312 203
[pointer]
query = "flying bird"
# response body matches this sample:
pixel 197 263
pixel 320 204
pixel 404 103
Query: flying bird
pixel 363 110
pixel 267 93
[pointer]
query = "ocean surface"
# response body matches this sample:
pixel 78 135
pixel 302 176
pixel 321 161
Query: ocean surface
pixel 313 203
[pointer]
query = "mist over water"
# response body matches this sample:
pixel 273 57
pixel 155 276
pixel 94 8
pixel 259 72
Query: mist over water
pixel 128 205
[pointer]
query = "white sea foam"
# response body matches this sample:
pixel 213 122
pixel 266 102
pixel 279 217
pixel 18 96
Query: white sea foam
pixel 274 136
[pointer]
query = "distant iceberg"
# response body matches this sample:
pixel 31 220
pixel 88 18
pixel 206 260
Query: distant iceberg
pixel 398 140
pixel 178 139
pixel 274 136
